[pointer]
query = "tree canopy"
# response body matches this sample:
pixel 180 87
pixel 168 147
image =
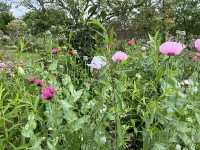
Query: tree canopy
pixel 5 16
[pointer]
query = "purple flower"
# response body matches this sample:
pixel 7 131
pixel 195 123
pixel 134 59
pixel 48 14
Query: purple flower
pixel 97 62
pixel 48 93
pixel 39 82
pixel 2 65
pixel 7 55
pixel 197 44
pixel 119 56
pixel 54 51
pixel 130 43
pixel 171 48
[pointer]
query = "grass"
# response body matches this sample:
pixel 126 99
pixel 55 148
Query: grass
pixel 24 56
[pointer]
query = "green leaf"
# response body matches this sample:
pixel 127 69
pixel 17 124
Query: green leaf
pixel 95 21
pixel 119 100
pixel 66 105
pixel 27 131
pixel 183 136
pixel 121 141
pixel 54 65
pixel 79 123
pixel 159 146
pixel 198 118
pixel 77 95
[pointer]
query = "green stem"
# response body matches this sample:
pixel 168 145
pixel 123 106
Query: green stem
pixel 115 111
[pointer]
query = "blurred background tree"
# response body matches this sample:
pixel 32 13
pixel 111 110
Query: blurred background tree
pixel 5 16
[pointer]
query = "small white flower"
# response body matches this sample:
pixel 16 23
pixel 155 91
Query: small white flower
pixel 138 75
pixel 143 48
pixel 178 147
pixel 50 129
pixel 103 139
pixel 97 62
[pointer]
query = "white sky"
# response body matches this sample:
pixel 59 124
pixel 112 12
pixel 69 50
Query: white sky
pixel 17 11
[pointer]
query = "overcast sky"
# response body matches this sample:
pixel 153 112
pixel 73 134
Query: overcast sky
pixel 17 11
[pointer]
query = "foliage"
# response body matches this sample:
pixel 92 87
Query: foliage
pixel 5 16
pixel 39 23
pixel 17 28
pixel 138 103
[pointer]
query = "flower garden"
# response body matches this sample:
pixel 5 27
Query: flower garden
pixel 144 96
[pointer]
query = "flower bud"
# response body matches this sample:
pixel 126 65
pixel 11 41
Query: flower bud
pixel 20 71
pixel 85 58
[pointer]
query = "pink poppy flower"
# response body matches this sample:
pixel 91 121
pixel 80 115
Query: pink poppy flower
pixel 130 43
pixel 198 55
pixel 39 82
pixel 31 80
pixel 197 44
pixel 48 93
pixel 54 51
pixel 171 48
pixel 119 56
pixel 97 62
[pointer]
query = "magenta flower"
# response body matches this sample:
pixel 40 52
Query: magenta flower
pixel 54 51
pixel 31 80
pixel 119 56
pixel 171 48
pixel 197 44
pixel 111 46
pixel 97 62
pixel 130 43
pixel 48 93
pixel 39 82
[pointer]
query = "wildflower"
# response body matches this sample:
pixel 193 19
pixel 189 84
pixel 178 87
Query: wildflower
pixel 143 48
pixel 178 147
pixel 171 48
pixel 149 42
pixel 39 82
pixel 2 65
pixel 138 75
pixel 7 55
pixel 31 80
pixel 197 44
pixel 198 55
pixel 185 83
pixel 70 52
pixel 111 46
pixel 130 43
pixel 97 62
pixel 75 52
pixel 119 56
pixel 54 51
pixel 48 93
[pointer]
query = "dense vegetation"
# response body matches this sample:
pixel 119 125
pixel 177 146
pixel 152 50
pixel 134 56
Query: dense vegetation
pixel 100 75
